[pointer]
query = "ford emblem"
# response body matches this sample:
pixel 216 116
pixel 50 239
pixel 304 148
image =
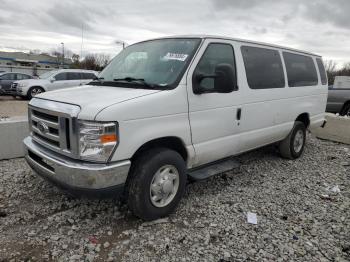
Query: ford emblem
pixel 43 128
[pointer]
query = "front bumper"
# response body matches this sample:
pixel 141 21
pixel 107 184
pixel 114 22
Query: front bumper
pixel 74 175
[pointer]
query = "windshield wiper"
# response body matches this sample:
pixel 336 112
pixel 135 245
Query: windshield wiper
pixel 141 81
pixel 96 80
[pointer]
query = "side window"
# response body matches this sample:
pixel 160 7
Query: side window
pixel 214 54
pixel 61 77
pixel 9 77
pixel 322 71
pixel 73 76
pixel 263 67
pixel 22 77
pixel 301 70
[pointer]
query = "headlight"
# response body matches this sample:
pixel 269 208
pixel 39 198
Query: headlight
pixel 22 84
pixel 97 140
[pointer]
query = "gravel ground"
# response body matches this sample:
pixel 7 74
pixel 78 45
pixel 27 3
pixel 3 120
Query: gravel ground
pixel 10 107
pixel 302 207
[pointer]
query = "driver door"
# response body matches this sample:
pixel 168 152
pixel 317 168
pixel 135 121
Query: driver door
pixel 213 115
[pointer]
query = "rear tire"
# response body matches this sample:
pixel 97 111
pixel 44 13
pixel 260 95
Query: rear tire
pixel 33 91
pixel 346 110
pixel 293 145
pixel 157 183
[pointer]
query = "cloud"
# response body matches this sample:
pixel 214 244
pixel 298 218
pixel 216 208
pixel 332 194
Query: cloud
pixel 335 12
pixel 315 25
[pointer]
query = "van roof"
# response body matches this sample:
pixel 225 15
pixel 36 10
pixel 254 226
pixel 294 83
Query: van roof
pixel 238 40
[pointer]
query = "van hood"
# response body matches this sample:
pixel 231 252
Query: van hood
pixel 93 99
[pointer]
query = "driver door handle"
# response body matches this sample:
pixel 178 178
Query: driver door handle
pixel 239 113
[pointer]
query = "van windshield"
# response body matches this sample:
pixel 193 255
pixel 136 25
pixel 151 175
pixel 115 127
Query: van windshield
pixel 156 64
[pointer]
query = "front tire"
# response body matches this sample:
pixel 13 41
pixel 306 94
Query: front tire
pixel 293 145
pixel 157 183
pixel 33 91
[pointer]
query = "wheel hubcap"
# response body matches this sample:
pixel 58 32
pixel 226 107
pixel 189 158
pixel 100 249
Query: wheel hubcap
pixel 164 186
pixel 298 141
pixel 36 91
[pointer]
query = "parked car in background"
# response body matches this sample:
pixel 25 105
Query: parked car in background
pixel 339 99
pixel 7 79
pixel 169 108
pixel 53 80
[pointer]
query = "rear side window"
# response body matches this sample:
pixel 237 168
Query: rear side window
pixel 21 77
pixel 322 71
pixel 263 68
pixel 73 76
pixel 301 70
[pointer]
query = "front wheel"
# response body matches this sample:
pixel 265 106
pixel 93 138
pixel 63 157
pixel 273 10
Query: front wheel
pixel 33 91
pixel 157 183
pixel 293 145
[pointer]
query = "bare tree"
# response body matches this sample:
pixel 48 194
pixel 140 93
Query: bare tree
pixel 330 65
pixel 95 61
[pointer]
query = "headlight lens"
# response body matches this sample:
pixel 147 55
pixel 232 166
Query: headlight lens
pixel 97 140
pixel 22 84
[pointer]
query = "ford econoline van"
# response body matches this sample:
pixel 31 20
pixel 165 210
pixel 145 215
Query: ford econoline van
pixel 169 109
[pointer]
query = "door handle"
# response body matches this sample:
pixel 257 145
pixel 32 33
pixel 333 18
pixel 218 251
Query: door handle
pixel 239 113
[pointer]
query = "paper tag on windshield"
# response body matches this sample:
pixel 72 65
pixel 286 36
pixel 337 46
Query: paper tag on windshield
pixel 174 56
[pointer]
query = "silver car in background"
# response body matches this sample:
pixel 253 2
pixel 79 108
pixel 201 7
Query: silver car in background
pixel 339 96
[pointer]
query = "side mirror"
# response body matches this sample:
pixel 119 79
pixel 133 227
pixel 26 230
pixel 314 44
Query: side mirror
pixel 52 80
pixel 224 80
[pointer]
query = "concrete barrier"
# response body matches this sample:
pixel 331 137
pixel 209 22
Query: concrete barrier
pixel 337 129
pixel 12 132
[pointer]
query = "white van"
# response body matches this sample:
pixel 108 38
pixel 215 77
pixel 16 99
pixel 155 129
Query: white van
pixel 167 109
pixel 53 80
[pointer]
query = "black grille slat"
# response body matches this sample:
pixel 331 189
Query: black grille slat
pixel 45 116
pixel 53 131
pixel 47 140
pixel 67 134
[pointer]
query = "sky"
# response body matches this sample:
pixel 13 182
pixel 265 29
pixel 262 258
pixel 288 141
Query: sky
pixel 318 26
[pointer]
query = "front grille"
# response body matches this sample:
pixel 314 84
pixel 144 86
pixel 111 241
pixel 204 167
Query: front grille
pixel 52 129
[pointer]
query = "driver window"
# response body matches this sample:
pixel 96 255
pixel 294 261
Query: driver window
pixel 214 54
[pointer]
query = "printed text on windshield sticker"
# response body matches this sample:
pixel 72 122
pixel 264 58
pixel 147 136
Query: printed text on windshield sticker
pixel 174 56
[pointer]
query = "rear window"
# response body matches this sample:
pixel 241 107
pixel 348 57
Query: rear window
pixel 301 70
pixel 87 76
pixel 263 68
pixel 322 71
pixel 73 76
